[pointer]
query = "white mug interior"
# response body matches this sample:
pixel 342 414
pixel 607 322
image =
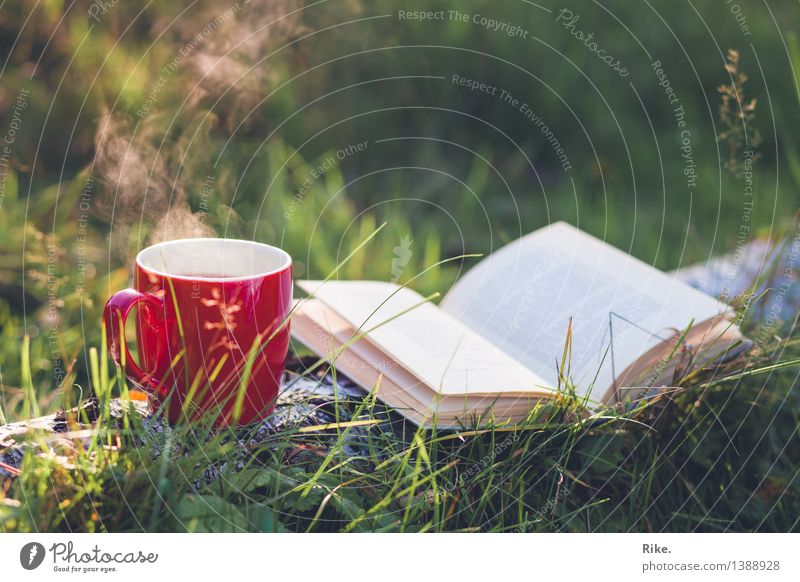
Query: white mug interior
pixel 213 258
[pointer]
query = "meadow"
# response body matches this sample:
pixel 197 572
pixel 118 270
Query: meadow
pixel 307 126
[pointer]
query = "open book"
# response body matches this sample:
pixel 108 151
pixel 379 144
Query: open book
pixel 491 351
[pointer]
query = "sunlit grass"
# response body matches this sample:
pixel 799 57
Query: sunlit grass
pixel 674 462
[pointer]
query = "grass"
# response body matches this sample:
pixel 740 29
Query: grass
pixel 718 456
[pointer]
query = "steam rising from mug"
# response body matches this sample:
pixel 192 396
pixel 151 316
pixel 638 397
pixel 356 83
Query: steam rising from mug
pixel 150 164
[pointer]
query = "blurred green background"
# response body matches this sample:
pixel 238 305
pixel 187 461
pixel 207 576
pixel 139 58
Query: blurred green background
pixel 306 125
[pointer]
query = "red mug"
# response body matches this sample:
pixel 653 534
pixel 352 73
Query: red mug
pixel 211 328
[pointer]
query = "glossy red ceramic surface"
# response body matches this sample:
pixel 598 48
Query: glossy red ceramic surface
pixel 195 336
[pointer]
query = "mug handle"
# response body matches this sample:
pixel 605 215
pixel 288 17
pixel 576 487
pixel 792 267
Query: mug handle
pixel 115 314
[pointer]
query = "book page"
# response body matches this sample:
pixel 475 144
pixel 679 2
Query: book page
pixel 445 354
pixel 326 332
pixel 522 297
pixel 310 326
